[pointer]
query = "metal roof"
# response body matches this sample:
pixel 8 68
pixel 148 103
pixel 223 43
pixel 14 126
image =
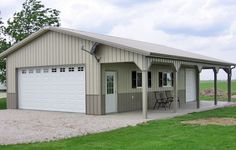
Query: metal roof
pixel 144 48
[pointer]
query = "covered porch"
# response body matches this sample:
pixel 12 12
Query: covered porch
pixel 190 107
pixel 187 107
pixel 131 86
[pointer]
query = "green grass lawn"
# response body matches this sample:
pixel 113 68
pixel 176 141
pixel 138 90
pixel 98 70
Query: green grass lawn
pixel 166 134
pixel 3 104
pixel 222 85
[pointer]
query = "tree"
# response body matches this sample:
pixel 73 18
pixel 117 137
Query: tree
pixel 30 19
pixel 3 46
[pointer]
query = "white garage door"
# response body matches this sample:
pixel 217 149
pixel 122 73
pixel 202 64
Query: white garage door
pixel 190 85
pixel 53 89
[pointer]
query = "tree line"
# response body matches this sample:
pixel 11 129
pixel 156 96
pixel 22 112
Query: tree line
pixel 32 17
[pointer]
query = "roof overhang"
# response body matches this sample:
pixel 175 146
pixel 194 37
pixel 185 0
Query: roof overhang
pixel 191 59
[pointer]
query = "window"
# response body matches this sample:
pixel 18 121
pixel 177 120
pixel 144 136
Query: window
pixel 134 85
pixel 165 79
pixel 71 69
pixel 149 79
pixel 62 69
pixel 38 70
pixel 110 84
pixel 54 69
pixel 137 79
pixel 80 68
pixel 45 70
pixel 23 71
pixel 31 71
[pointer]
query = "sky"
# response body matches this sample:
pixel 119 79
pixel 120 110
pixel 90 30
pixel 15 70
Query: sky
pixel 206 27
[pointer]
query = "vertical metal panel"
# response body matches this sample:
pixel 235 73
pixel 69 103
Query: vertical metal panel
pixel 11 101
pixel 52 49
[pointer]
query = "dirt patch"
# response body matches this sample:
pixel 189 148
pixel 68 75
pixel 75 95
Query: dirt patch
pixel 233 96
pixel 212 121
pixel 211 92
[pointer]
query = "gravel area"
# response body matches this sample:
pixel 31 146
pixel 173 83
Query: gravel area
pixel 26 126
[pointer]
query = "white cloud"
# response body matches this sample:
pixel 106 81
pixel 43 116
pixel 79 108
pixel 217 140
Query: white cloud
pixel 174 24
pixel 202 26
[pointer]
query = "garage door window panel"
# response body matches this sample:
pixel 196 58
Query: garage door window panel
pixel 23 71
pixel 62 69
pixel 31 71
pixel 38 71
pixel 45 70
pixel 54 69
pixel 71 69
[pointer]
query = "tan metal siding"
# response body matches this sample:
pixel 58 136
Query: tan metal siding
pixel 181 79
pixel 11 101
pixel 124 71
pixel 53 49
pixel 110 54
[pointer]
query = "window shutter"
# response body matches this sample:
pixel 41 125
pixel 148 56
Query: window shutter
pixel 149 79
pixel 134 79
pixel 172 78
pixel 160 79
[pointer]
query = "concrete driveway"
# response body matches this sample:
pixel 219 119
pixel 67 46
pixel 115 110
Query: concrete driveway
pixel 24 126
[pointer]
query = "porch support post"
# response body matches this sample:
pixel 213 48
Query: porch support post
pixel 198 71
pixel 144 93
pixel 175 85
pixel 229 85
pixel 216 70
pixel 144 87
pixel 175 91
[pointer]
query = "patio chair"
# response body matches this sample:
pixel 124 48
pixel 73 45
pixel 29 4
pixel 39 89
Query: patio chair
pixel 165 99
pixel 160 100
pixel 170 98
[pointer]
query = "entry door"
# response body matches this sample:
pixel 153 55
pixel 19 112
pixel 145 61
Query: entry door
pixel 111 92
pixel 190 85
